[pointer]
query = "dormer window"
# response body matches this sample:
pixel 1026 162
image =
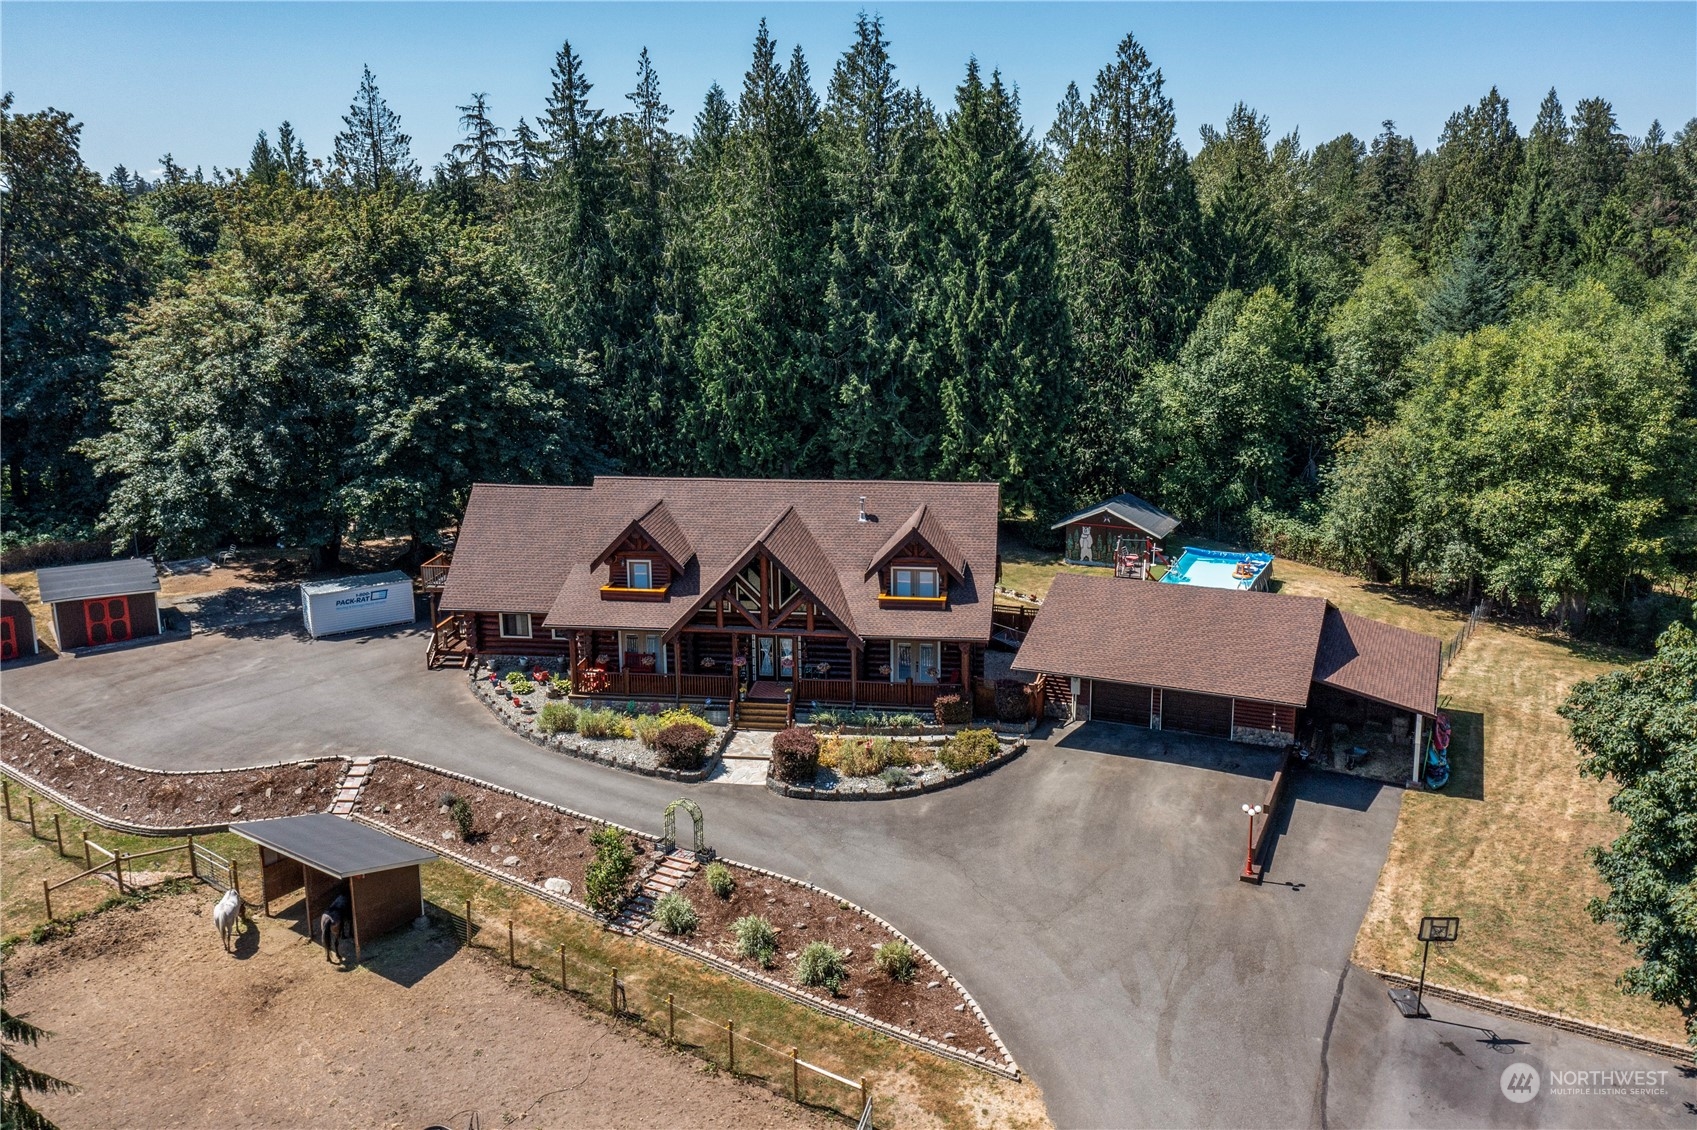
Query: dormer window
pixel 639 574
pixel 915 582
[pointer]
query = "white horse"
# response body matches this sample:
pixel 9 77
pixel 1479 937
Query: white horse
pixel 227 916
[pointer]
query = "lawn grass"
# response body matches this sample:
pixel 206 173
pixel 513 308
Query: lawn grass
pixel 1505 845
pixel 910 1087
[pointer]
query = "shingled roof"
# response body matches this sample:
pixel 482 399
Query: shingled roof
pixel 1375 660
pixel 1253 645
pixel 1146 516
pixel 553 536
pixel 658 525
pixel 929 529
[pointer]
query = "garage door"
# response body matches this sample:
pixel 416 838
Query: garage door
pixel 1196 713
pixel 1120 702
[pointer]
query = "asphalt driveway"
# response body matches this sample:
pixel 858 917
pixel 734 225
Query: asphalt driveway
pixel 1085 893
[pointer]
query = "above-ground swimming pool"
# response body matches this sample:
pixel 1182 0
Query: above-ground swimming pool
pixel 1213 569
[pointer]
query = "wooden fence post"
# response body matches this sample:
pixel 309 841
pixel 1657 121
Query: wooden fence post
pixel 671 1020
pixel 31 801
pixel 562 967
pixel 194 870
pixel 6 795
pixel 511 960
pixel 118 871
pixel 731 1045
pixel 58 836
pixel 236 878
pixel 468 922
pixel 47 897
pixel 87 861
pixel 795 1074
pixel 613 992
pixel 865 1094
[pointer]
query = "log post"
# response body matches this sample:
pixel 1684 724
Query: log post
pixel 795 1075
pixel 194 868
pixel 731 1045
pixel 671 1019
pixel 47 897
pixel 511 958
pixel 87 862
pixel 31 802
pixel 468 922
pixel 562 967
pixel 118 871
pixel 6 795
pixel 613 992
pixel 58 836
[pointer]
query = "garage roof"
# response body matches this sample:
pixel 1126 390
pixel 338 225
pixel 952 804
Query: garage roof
pixel 333 845
pixel 97 578
pixel 1212 641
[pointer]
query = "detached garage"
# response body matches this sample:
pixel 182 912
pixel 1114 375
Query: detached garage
pixel 1224 663
pixel 348 604
pixel 17 627
pixel 103 602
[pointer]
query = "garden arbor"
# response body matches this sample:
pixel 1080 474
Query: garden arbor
pixel 669 834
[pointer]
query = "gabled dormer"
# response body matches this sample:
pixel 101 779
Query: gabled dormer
pixel 645 557
pixel 916 564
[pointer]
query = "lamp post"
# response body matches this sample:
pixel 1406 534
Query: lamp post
pixel 1252 810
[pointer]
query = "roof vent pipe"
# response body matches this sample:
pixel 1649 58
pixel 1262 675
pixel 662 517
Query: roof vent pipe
pixel 862 517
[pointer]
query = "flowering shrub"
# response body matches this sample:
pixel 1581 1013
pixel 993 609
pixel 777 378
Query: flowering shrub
pixel 952 710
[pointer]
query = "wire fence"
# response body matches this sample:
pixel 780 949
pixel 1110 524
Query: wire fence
pixel 733 1047
pixel 1452 647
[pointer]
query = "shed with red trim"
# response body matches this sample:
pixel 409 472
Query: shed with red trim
pixel 102 602
pixel 17 627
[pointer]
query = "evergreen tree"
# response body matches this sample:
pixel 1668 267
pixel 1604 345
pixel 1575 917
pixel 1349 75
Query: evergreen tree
pixel 1473 172
pixel 1127 228
pixel 1391 176
pixel 1474 289
pixel 1596 159
pixel 1234 187
pixel 66 274
pixel 874 136
pixel 1330 232
pixel 1003 337
pixel 371 151
pixel 761 247
pixel 570 123
pixel 527 153
pixel 481 149
pixel 1072 117
pixel 1538 215
pixel 1371 335
pixel 291 155
pixel 1661 198
pixel 262 163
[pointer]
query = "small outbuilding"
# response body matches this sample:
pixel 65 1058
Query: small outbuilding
pixel 101 602
pixel 320 854
pixel 348 604
pixel 17 627
pixel 1116 531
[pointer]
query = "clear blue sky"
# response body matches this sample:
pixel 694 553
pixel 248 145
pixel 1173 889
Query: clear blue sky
pixel 199 80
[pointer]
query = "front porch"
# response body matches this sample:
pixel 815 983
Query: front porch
pixel 649 686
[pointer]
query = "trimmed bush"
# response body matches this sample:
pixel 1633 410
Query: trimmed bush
pixel 895 777
pixel 795 755
pixel 866 757
pixel 557 718
pixel 821 963
pixel 647 727
pixel 603 724
pixel 682 746
pixel 460 813
pixel 720 879
pixel 683 716
pixel 1011 703
pixel 608 873
pixel 896 961
pixel 968 749
pixel 756 939
pixel 952 710
pixel 675 914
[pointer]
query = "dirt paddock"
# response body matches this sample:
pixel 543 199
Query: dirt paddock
pixel 158 1028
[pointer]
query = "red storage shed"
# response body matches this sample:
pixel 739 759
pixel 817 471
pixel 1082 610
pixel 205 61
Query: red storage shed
pixel 102 602
pixel 17 627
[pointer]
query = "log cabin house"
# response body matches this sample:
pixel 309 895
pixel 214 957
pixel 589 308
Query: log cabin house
pixel 860 593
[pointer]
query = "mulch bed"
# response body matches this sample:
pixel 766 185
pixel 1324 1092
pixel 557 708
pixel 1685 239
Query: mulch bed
pixel 166 800
pixel 802 916
pixel 522 838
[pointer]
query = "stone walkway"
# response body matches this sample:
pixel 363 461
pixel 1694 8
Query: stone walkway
pixel 750 744
pixel 746 758
pixel 672 873
pixel 352 782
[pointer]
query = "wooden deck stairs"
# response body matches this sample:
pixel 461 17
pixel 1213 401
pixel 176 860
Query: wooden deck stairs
pixel 757 714
pixel 449 644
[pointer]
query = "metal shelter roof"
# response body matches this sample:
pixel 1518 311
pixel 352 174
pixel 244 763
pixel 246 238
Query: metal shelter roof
pixel 361 581
pixel 98 578
pixel 335 846
pixel 1146 516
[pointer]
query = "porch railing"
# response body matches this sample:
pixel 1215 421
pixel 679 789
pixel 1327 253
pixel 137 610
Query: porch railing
pixel 644 685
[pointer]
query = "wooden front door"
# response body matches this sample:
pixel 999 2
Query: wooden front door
pixel 107 620
pixel 8 638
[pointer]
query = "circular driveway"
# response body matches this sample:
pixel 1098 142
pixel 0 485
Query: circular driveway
pixel 1086 893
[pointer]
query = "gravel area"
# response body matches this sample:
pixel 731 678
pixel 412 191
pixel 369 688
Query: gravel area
pixel 524 839
pixel 926 1006
pixel 925 772
pixel 165 800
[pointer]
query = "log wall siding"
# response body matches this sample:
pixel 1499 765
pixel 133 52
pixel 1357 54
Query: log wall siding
pixel 1249 714
pixel 487 638
pixel 618 573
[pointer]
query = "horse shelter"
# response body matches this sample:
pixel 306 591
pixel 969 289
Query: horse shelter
pixel 320 854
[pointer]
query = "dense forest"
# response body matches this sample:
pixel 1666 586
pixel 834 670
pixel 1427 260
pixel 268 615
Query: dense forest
pixel 1470 367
